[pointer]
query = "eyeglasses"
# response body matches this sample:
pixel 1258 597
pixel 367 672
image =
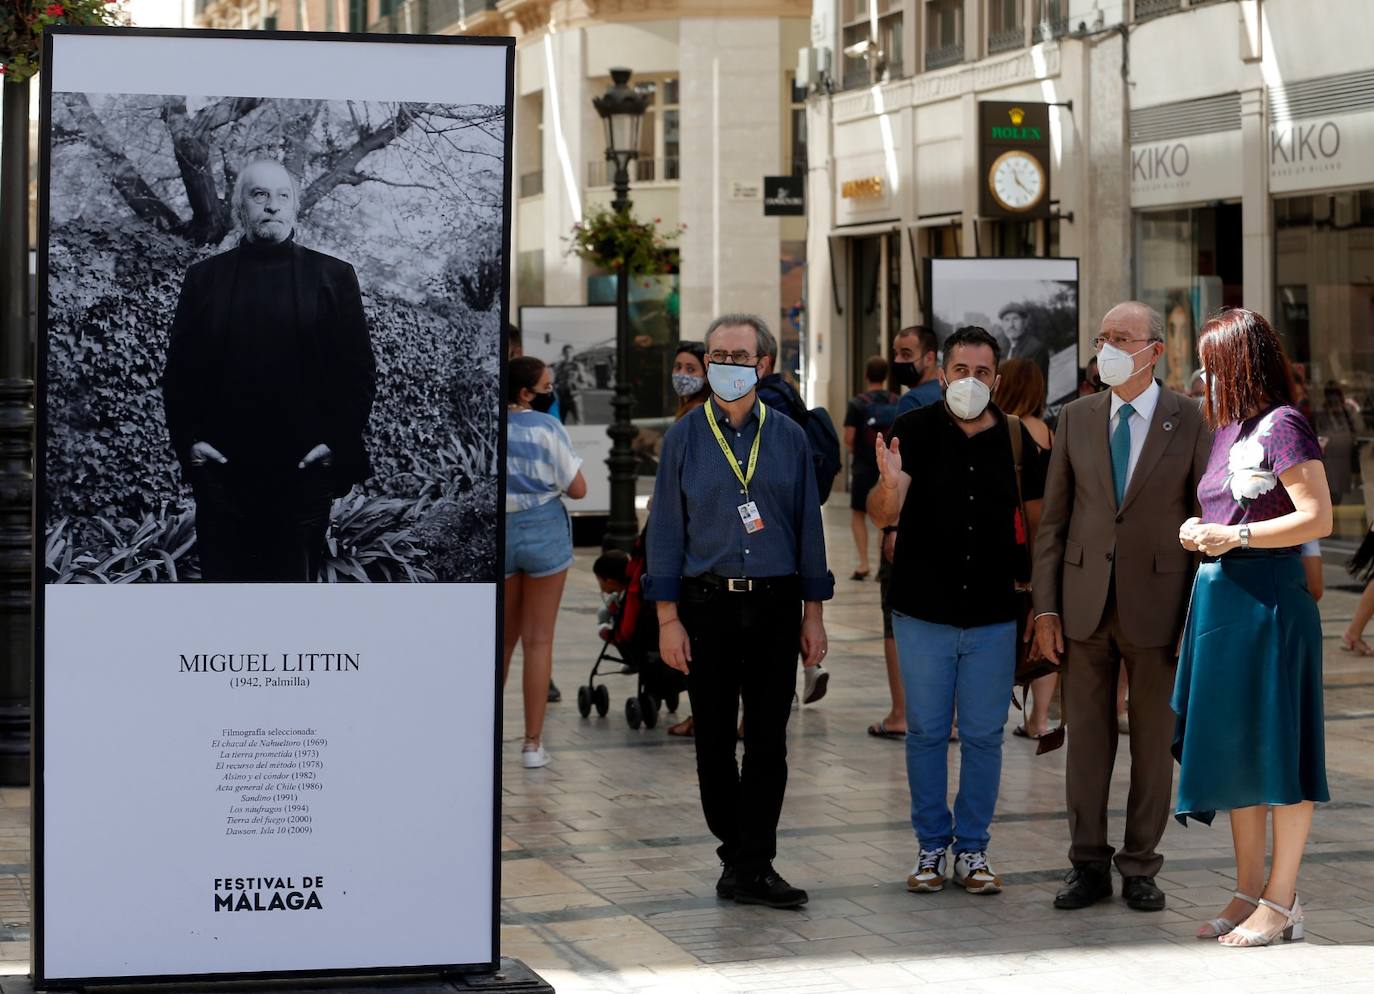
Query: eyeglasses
pixel 740 358
pixel 1118 341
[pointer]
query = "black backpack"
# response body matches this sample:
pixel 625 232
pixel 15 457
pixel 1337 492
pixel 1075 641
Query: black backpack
pixel 821 436
pixel 881 414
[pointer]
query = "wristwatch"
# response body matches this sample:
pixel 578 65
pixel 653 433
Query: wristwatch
pixel 1244 536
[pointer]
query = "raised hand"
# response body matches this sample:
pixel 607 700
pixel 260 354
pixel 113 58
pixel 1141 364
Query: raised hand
pixel 889 461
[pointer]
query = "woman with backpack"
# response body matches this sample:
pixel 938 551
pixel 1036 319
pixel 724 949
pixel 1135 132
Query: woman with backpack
pixel 869 413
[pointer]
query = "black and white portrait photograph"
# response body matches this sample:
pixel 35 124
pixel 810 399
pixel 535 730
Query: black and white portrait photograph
pixel 1029 305
pixel 578 345
pixel 273 339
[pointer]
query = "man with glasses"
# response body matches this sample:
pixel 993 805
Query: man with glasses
pixel 737 565
pixel 1111 583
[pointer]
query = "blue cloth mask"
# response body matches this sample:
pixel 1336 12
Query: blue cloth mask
pixel 730 382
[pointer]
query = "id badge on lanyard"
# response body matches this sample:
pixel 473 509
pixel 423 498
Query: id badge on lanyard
pixel 749 510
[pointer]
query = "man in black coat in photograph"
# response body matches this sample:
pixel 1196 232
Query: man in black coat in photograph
pixel 269 383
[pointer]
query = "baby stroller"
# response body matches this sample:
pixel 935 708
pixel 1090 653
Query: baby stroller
pixel 632 644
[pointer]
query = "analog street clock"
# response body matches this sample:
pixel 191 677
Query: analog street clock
pixel 1017 181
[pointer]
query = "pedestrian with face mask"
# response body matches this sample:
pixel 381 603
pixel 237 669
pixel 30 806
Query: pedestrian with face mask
pixel 1111 587
pixel 916 365
pixel 736 564
pixel 955 601
pixel 541 467
pixel 689 378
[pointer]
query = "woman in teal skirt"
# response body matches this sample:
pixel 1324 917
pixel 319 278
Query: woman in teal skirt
pixel 1248 695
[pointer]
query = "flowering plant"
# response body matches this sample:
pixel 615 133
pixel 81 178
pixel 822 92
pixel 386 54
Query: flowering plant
pixel 612 240
pixel 22 23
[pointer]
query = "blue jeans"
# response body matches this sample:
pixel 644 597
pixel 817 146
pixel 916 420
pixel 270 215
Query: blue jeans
pixel 943 668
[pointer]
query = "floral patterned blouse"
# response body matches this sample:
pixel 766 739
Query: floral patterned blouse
pixel 1241 485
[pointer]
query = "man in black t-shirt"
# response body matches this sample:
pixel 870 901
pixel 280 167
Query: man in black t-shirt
pixel 869 413
pixel 963 540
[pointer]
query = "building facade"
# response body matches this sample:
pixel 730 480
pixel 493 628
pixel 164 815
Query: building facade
pixel 1201 154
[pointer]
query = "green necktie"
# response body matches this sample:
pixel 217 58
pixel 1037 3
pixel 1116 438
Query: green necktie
pixel 1121 451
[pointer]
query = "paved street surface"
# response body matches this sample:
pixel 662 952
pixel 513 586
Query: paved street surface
pixel 609 872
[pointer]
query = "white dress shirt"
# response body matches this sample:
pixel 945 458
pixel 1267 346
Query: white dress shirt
pixel 1143 408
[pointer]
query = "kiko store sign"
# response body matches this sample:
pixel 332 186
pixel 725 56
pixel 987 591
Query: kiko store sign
pixel 1314 153
pixel 1186 170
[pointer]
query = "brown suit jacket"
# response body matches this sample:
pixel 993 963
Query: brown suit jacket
pixel 1084 537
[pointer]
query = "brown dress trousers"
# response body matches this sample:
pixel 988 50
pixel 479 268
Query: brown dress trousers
pixel 1119 580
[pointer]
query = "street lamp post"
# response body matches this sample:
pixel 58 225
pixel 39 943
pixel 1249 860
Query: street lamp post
pixel 622 110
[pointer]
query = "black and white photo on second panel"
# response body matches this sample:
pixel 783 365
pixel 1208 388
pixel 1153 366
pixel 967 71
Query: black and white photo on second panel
pixel 583 370
pixel 1029 305
pixel 274 339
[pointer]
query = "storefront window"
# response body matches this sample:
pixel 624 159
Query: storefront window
pixel 1324 294
pixel 1187 265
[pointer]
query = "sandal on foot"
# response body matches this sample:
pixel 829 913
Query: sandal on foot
pixel 685 728
pixel 879 730
pixel 859 574
pixel 1220 926
pixel 1021 733
pixel 1291 929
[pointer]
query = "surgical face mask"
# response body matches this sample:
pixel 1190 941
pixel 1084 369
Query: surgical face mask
pixel 541 402
pixel 906 373
pixel 968 398
pixel 1115 367
pixel 730 382
pixel 687 385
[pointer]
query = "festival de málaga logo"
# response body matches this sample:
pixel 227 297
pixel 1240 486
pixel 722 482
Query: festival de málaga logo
pixel 268 894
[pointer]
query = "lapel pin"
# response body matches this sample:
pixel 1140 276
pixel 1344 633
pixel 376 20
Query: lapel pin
pixel 1168 426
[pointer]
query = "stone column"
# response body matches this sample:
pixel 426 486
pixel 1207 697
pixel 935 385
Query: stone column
pixel 1256 214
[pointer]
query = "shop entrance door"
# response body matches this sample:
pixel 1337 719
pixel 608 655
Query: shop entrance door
pixel 875 300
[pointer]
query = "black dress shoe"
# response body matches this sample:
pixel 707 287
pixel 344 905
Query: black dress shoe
pixel 1088 883
pixel 769 889
pixel 725 886
pixel 1142 894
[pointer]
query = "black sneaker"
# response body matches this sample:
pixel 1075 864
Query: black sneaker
pixel 725 886
pixel 769 889
pixel 555 695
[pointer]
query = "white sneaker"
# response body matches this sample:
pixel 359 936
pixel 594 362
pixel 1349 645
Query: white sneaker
pixel 973 873
pixel 816 679
pixel 928 875
pixel 534 757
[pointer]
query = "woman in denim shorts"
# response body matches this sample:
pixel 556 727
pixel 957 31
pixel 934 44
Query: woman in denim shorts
pixel 541 466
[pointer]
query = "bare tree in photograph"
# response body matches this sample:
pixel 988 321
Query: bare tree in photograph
pixel 408 195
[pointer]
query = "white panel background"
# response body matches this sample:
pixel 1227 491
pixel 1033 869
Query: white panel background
pixel 279 67
pixel 134 830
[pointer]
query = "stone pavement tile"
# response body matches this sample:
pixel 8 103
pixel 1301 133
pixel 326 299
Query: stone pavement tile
pixel 1348 932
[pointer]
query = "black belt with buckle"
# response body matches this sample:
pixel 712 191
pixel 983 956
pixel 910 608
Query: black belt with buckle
pixel 745 584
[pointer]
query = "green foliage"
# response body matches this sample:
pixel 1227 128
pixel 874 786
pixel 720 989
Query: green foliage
pixel 612 240
pixel 22 23
pixel 157 548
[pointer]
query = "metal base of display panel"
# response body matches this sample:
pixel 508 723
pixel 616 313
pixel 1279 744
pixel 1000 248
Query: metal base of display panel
pixel 513 977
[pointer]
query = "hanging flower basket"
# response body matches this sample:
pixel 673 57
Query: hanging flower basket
pixel 22 23
pixel 611 241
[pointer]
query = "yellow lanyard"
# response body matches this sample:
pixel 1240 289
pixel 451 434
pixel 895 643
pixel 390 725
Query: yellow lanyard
pixel 743 478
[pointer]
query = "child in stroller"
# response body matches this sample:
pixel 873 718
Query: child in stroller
pixel 629 632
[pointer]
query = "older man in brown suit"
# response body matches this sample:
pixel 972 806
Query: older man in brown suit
pixel 1110 577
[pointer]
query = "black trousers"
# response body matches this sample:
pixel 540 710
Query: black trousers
pixel 744 647
pixel 261 526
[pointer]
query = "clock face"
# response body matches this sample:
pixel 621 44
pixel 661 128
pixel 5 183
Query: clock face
pixel 1017 181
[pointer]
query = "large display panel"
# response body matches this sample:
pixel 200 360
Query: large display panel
pixel 1029 305
pixel 269 493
